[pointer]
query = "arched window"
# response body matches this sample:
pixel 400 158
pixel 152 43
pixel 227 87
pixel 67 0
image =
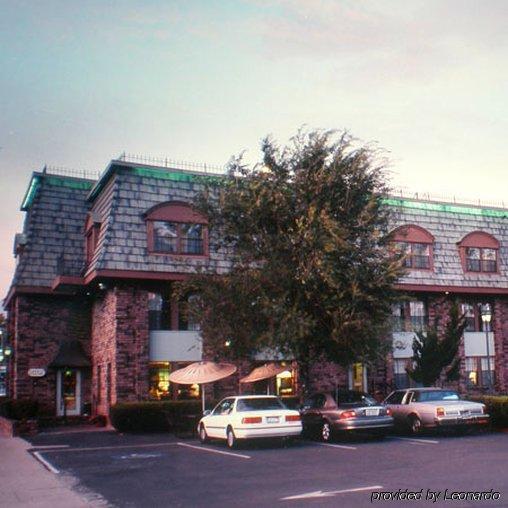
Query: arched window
pixel 176 228
pixel 417 245
pixel 479 253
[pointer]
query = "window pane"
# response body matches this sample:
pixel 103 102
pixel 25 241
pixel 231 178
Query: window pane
pixel 165 236
pixel 468 311
pixel 159 312
pixel 473 265
pixel 192 238
pixel 473 253
pixel 421 249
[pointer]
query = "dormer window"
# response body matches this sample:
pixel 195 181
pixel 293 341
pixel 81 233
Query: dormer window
pixel 479 253
pixel 416 244
pixel 175 228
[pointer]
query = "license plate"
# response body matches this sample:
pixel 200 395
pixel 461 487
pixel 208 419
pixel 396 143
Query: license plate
pixel 372 412
pixel 272 419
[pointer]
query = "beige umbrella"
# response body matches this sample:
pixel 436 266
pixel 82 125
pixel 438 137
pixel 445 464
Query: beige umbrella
pixel 266 371
pixel 201 373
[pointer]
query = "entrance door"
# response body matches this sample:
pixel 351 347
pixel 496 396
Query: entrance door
pixel 358 377
pixel 68 392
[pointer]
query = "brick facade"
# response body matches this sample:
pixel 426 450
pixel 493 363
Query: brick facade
pixel 41 323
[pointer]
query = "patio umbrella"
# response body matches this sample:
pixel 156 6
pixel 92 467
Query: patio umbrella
pixel 201 373
pixel 266 371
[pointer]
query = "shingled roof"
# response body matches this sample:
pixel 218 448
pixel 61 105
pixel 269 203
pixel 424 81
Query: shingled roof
pixel 56 209
pixel 57 206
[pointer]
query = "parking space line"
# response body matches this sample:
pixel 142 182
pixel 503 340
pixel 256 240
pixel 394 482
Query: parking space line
pixel 118 447
pixel 211 450
pixel 415 440
pixel 48 447
pixel 46 463
pixel 345 447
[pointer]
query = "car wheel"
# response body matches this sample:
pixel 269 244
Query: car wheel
pixel 415 425
pixel 203 436
pixel 230 438
pixel 326 432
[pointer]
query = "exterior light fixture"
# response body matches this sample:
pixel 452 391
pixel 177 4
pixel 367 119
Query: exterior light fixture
pixel 486 318
pixel 227 343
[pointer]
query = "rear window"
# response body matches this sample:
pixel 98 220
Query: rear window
pixel 351 397
pixel 435 395
pixel 259 404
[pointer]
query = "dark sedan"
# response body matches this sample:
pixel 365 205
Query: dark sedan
pixel 329 414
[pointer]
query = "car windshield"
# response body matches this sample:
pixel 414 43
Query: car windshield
pixel 352 397
pixel 259 404
pixel 432 395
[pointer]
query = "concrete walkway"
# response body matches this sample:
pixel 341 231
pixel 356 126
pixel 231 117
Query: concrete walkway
pixel 24 482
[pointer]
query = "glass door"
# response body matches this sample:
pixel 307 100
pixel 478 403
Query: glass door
pixel 68 392
pixel 358 377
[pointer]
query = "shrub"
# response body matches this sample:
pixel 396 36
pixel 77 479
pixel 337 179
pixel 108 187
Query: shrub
pixel 154 416
pixel 497 407
pixel 19 409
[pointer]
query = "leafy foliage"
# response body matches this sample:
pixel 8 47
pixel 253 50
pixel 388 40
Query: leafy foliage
pixel 311 270
pixel 433 354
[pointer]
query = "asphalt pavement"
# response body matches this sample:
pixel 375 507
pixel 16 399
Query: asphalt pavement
pixel 161 470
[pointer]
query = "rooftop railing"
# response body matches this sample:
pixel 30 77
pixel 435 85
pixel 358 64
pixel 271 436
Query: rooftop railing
pixel 162 162
pixel 427 196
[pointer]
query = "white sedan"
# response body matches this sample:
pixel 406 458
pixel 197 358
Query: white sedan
pixel 249 417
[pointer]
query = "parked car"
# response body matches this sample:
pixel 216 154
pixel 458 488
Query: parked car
pixel 346 411
pixel 419 408
pixel 249 417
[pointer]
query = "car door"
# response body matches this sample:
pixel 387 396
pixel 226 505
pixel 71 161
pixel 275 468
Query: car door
pixel 218 420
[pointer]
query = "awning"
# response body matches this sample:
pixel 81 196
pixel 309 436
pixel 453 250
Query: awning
pixel 70 354
pixel 266 371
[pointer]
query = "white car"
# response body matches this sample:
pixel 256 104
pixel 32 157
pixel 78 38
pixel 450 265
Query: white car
pixel 249 417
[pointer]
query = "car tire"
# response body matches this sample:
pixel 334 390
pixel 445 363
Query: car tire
pixel 203 436
pixel 415 425
pixel 230 438
pixel 326 432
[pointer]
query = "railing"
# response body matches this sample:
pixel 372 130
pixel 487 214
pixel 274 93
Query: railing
pixel 427 196
pixel 164 162
pixel 75 173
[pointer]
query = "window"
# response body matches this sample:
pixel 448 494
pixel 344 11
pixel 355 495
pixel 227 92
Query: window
pixel 175 228
pixel 159 312
pixel 481 260
pixel 417 255
pixel 416 244
pixel 473 315
pixel 395 398
pixel 400 376
pixel 479 253
pixel 174 238
pixel 187 318
pixel 225 407
pixel 409 316
pixel 92 230
pixel 159 380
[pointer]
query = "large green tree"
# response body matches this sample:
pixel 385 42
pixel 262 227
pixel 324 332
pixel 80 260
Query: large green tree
pixel 435 353
pixel 312 274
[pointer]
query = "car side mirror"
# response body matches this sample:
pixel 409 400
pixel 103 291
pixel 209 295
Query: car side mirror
pixel 207 412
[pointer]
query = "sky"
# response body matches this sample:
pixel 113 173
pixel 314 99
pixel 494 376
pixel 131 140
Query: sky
pixel 83 81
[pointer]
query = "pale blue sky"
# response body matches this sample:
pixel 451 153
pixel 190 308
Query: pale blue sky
pixel 82 81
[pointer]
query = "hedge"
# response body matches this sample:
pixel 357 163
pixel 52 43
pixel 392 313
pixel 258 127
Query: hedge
pixel 20 409
pixel 497 407
pixel 153 416
pixel 163 416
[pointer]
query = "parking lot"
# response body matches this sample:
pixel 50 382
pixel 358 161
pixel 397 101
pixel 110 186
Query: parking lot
pixel 161 470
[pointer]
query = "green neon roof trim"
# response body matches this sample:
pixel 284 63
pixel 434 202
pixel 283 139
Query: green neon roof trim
pixel 55 181
pixel 176 176
pixel 442 207
pixel 30 193
pixel 58 181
